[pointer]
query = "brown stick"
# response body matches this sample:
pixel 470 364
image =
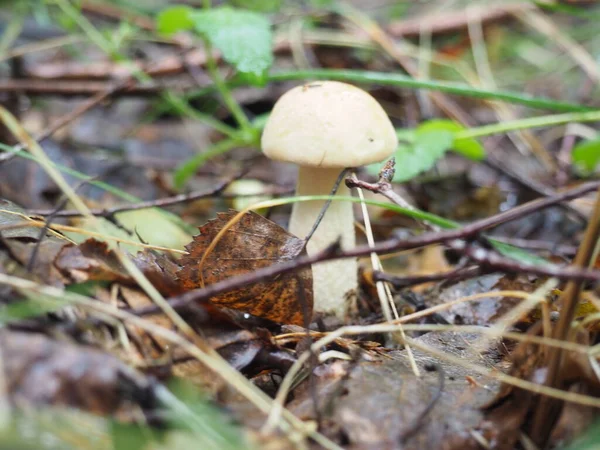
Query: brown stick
pixel 452 21
pixel 159 203
pixel 453 238
pixel 547 410
pixel 83 88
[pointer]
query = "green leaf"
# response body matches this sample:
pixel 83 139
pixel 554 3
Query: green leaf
pixel 174 19
pixel 417 152
pixel 420 149
pixel 518 254
pixel 586 156
pixel 469 147
pixel 243 37
pixel 28 308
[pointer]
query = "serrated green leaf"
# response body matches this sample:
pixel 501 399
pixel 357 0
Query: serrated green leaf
pixel 417 152
pixel 586 156
pixel 243 37
pixel 174 19
pixel 469 148
pixel 419 149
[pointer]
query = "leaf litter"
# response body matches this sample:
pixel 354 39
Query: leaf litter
pixel 357 390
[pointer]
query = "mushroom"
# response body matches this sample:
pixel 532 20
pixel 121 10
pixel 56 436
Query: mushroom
pixel 323 127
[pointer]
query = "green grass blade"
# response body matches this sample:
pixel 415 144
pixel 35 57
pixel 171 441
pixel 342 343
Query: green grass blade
pixel 399 80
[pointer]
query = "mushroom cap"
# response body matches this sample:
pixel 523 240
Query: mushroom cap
pixel 328 124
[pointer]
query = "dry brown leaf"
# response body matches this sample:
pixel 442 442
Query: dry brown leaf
pixel 250 244
pixel 90 261
pixel 94 261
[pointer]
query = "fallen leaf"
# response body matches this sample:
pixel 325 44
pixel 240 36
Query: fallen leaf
pixel 43 267
pixel 160 270
pixel 41 371
pixel 92 260
pixel 250 244
pixel 382 404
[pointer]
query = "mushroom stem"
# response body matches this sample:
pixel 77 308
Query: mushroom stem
pixel 332 280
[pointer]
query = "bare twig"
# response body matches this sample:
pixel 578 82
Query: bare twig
pixel 455 239
pixel 70 88
pixel 400 282
pixel 159 203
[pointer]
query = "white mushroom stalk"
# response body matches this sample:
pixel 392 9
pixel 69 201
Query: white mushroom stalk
pixel 324 127
pixel 332 280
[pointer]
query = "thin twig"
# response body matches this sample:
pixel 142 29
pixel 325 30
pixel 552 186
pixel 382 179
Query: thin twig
pixel 46 227
pixel 324 209
pixel 159 203
pixel 453 238
pixel 384 187
pixel 450 21
pixel 401 282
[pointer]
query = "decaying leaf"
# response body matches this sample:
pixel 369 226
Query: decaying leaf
pixel 41 371
pixel 250 244
pixel 508 413
pixel 94 261
pixel 20 234
pixel 238 346
pixel 382 404
pixel 90 261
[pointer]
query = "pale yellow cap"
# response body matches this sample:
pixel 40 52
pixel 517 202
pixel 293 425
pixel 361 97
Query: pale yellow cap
pixel 328 124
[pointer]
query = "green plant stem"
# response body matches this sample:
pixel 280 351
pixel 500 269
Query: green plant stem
pixel 357 76
pixel 389 79
pixel 533 122
pixel 12 30
pixel 181 106
pixel 231 103
pixel 188 168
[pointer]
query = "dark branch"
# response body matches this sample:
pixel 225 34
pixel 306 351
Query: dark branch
pixel 455 239
pixel 159 203
pixel 401 282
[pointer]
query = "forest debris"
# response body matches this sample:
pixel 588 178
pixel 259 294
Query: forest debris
pixel 41 371
pixel 237 345
pixel 250 244
pixel 380 404
pixel 42 265
pixel 92 260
